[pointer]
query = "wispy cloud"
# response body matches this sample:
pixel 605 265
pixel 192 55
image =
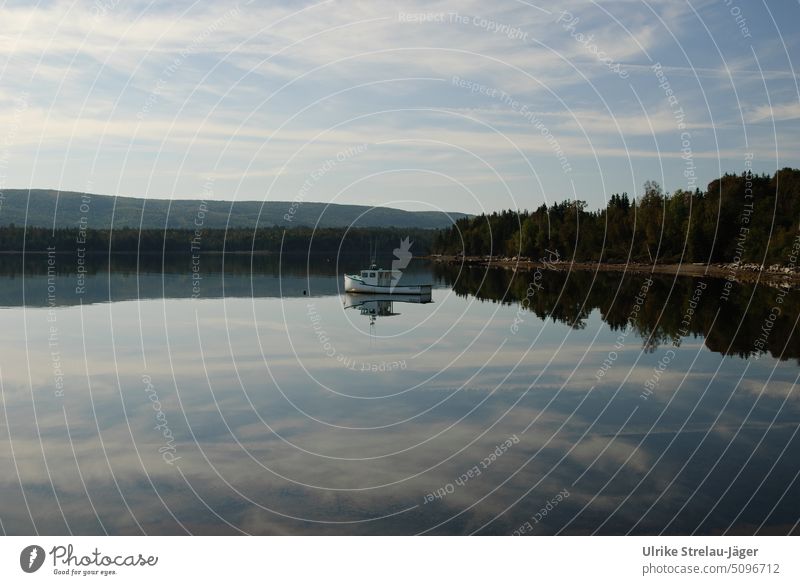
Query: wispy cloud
pixel 125 96
pixel 775 112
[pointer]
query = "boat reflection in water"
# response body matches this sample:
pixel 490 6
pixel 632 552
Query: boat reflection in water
pixel 375 306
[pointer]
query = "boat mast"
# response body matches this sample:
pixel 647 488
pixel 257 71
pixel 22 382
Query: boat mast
pixel 373 250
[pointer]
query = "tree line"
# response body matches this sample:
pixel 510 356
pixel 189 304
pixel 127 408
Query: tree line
pixel 299 240
pixel 744 217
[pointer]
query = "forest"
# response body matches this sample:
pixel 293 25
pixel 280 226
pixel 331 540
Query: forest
pixel 330 241
pixel 745 218
pixel 738 218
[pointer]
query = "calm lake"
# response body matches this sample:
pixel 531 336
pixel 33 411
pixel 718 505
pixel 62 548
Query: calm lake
pixel 257 398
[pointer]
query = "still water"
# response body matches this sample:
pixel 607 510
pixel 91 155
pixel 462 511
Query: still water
pixel 257 398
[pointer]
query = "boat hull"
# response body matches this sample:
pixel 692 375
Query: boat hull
pixel 353 285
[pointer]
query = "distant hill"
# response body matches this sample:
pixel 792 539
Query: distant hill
pixel 97 210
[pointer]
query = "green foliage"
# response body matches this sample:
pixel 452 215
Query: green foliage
pixel 748 217
pixel 330 241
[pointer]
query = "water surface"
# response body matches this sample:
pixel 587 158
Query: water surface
pixel 255 398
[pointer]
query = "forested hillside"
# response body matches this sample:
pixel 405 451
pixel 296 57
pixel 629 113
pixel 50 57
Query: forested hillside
pixel 69 209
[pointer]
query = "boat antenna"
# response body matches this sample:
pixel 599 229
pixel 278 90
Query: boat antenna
pixel 373 251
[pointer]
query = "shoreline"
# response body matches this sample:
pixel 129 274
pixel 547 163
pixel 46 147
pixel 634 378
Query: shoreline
pixel 739 273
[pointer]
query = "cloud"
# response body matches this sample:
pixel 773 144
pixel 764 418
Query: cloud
pixel 232 86
pixel 776 112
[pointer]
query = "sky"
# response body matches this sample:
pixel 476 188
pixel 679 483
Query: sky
pixel 463 106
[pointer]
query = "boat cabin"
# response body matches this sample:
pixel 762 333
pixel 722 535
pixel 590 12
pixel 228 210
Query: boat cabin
pixel 377 277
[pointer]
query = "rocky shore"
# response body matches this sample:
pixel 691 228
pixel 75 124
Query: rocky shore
pixel 774 275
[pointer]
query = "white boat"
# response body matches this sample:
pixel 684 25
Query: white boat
pixel 378 281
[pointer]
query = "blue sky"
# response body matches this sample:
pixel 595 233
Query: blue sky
pixel 463 106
